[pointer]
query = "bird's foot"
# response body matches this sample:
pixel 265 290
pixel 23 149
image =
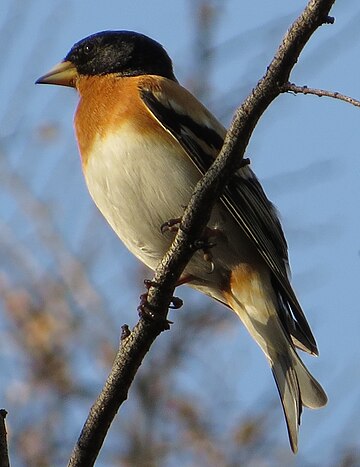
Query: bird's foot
pixel 172 225
pixel 149 312
pixel 206 243
pixel 205 246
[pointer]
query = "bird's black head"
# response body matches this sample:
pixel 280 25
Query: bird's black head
pixel 124 52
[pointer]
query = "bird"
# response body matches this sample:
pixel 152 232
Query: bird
pixel 145 141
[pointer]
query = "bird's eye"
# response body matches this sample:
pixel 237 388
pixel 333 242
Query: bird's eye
pixel 88 48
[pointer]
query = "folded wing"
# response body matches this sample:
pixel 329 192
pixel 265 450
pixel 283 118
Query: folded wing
pixel 201 137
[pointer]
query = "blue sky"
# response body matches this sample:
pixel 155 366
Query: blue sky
pixel 305 150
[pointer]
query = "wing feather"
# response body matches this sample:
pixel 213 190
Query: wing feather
pixel 202 136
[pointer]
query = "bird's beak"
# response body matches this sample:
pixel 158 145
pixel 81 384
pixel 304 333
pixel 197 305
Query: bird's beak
pixel 62 74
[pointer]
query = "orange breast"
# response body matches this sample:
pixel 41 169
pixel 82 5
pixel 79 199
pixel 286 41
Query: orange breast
pixel 106 103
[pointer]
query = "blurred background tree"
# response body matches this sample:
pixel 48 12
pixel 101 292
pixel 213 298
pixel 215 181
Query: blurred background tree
pixel 204 395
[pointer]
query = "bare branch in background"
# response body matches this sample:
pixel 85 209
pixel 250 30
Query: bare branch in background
pixel 206 16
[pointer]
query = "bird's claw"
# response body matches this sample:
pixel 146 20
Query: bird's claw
pixel 176 303
pixel 206 246
pixel 172 225
pixel 149 312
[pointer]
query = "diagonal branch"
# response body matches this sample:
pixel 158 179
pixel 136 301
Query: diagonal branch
pixel 135 345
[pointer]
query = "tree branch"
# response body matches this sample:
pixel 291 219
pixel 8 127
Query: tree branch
pixel 291 87
pixel 4 455
pixel 134 346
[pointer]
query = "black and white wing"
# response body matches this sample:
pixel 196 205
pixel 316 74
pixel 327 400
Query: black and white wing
pixel 202 136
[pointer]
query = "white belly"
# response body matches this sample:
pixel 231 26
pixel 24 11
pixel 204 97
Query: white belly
pixel 138 188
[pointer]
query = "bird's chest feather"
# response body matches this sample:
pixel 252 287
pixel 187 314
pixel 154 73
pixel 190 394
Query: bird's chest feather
pixel 139 183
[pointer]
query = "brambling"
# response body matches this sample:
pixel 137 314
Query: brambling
pixel 145 141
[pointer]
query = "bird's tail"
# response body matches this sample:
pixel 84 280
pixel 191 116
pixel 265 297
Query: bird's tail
pixel 297 388
pixel 251 297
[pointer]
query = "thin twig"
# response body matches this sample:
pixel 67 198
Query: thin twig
pixel 134 347
pixel 4 455
pixel 291 87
